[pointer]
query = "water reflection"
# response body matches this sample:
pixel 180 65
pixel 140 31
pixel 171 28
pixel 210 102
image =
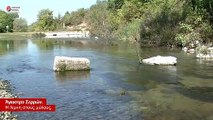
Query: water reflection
pixel 151 76
pixel 7 46
pixel 50 44
pixel 72 75
pixel 44 44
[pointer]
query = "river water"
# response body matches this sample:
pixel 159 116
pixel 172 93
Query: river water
pixel 116 88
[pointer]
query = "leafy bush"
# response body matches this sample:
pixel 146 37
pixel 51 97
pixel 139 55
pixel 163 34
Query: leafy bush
pixel 206 32
pixel 194 29
pixel 20 25
pixel 38 35
pixel 186 28
pixel 129 32
pixel 203 50
pixel 186 39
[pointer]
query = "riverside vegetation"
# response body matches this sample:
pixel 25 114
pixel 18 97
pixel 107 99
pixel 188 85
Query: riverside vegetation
pixel 170 23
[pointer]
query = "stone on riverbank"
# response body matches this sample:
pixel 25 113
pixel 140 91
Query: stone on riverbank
pixel 62 63
pixel 205 52
pixel 205 56
pixel 161 60
pixel 5 93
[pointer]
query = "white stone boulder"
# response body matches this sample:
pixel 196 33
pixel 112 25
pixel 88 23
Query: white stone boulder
pixel 185 49
pixel 161 60
pixel 62 63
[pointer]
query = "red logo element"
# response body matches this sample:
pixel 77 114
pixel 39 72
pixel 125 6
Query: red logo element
pixel 8 8
pixel 26 105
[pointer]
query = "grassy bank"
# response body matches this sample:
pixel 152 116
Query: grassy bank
pixel 16 35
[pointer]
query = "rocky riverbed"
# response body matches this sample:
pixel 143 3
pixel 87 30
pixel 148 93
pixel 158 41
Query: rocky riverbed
pixel 5 92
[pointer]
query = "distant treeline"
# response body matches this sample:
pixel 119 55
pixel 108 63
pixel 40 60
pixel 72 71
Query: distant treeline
pixel 10 22
pixel 150 22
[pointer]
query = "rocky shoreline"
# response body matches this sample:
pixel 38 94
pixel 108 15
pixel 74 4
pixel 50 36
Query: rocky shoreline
pixel 202 51
pixel 5 92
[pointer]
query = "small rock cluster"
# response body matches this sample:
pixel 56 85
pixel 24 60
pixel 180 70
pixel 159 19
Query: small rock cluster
pixel 5 89
pixel 202 51
pixel 205 52
pixel 191 48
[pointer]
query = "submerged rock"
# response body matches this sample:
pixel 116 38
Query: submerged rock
pixel 161 60
pixel 62 63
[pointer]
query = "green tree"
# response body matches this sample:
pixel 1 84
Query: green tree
pixel 10 18
pixel 204 7
pixel 74 18
pixel 33 27
pixel 115 4
pixel 77 17
pixel 3 21
pixel 66 18
pixel 46 21
pixel 98 19
pixel 20 25
pixel 6 19
pixel 59 22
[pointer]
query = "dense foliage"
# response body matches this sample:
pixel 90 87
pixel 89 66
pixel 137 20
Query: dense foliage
pixel 150 22
pixel 20 25
pixel 46 20
pixel 74 18
pixel 97 19
pixel 154 22
pixel 6 19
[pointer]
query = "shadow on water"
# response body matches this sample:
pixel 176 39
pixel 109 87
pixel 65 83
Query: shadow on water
pixel 72 75
pixel 151 76
pixel 44 44
pixel 20 68
pixel 199 93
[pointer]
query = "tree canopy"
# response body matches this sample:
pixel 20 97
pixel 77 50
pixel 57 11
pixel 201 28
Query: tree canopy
pixel 20 25
pixel 46 20
pixel 152 22
pixel 75 17
pixel 6 19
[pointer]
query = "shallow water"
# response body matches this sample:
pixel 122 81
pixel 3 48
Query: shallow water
pixel 117 87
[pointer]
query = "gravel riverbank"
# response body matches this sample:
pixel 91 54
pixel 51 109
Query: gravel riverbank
pixel 5 92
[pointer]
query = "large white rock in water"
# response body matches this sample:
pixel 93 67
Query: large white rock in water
pixel 62 63
pixel 161 60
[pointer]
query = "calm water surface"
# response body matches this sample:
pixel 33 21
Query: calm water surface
pixel 116 88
